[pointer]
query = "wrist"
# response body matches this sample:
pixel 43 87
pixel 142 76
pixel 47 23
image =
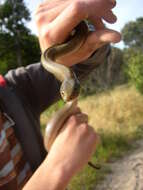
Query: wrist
pixel 49 176
pixel 58 172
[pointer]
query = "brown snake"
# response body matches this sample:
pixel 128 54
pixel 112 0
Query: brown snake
pixel 70 86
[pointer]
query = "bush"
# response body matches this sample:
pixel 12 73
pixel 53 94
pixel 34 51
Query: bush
pixel 135 70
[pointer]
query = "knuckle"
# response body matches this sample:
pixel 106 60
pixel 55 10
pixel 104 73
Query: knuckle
pixel 38 8
pixel 84 128
pixel 47 35
pixel 50 36
pixel 73 120
pixel 78 6
pixel 38 18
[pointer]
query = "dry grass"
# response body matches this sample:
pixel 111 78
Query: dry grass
pixel 119 110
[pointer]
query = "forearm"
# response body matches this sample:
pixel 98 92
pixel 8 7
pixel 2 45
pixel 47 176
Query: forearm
pixel 48 177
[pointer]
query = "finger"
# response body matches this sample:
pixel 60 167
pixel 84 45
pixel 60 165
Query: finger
pixel 103 36
pixel 47 14
pixel 51 5
pixel 93 137
pixel 110 17
pixel 66 21
pixel 95 134
pixel 97 22
pixel 112 3
pixel 102 6
pixel 99 38
pixel 77 119
pixel 44 19
pixel 44 6
pixel 48 4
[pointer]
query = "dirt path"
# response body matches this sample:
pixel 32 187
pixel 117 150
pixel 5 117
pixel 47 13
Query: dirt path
pixel 127 173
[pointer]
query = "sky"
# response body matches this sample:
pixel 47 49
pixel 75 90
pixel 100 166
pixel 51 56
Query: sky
pixel 125 10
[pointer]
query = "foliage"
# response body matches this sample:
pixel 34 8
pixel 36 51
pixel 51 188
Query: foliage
pixel 135 70
pixel 17 45
pixel 115 75
pixel 132 34
pixel 13 16
pixel 133 57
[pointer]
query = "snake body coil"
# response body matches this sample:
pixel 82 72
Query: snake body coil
pixel 70 86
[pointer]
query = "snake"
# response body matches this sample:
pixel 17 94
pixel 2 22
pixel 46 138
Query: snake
pixel 70 85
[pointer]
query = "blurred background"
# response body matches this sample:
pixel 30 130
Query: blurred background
pixel 113 94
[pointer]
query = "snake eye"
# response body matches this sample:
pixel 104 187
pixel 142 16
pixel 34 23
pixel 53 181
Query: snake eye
pixel 62 93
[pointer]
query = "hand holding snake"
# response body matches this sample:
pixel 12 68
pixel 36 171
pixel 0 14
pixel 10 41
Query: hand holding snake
pixel 56 19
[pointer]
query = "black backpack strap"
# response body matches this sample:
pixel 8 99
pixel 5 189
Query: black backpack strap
pixel 24 129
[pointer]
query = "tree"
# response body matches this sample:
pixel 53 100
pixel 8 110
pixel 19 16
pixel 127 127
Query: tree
pixel 132 34
pixel 115 74
pixel 133 54
pixel 135 70
pixel 17 45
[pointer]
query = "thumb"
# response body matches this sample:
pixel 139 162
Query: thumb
pixel 104 36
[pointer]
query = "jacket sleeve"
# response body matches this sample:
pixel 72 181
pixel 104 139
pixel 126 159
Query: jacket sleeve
pixel 40 88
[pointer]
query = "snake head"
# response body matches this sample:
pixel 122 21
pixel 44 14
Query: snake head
pixel 70 89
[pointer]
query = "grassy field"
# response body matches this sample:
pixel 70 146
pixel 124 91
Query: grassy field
pixel 117 116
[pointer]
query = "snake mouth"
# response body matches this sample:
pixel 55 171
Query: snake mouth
pixel 69 90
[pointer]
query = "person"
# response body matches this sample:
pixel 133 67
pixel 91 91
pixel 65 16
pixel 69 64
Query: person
pixel 26 92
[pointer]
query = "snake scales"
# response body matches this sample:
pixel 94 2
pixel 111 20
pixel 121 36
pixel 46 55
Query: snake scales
pixel 70 86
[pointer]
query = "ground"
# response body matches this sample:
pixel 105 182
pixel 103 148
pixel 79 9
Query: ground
pixel 127 173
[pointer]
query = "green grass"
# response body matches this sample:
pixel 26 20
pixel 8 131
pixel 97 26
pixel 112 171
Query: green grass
pixel 117 116
pixel 49 112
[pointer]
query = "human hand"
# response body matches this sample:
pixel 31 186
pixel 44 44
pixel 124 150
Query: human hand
pixel 71 150
pixel 56 19
pixel 73 147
